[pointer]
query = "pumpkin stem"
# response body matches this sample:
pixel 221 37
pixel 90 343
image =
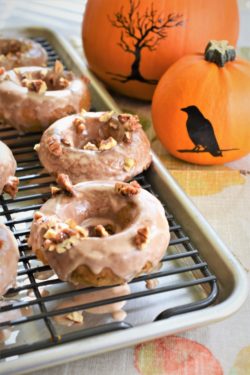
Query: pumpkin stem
pixel 219 52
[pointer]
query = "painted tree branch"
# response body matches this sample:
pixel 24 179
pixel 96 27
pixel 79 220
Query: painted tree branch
pixel 141 31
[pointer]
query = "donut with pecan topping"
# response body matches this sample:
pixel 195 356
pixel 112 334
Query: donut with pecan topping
pixel 106 233
pixel 32 98
pixel 95 146
pixel 21 52
pixel 9 256
pixel 8 181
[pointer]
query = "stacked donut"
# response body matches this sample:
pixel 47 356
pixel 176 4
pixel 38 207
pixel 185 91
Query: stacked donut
pixel 98 228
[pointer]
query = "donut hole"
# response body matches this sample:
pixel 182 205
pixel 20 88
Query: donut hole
pixel 106 208
pixel 96 131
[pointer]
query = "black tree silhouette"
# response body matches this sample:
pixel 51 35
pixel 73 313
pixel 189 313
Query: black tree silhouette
pixel 139 31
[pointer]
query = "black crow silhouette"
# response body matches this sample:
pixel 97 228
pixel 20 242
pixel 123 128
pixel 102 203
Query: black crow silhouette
pixel 201 132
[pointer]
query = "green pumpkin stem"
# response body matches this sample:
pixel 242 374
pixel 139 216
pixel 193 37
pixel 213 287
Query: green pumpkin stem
pixel 219 52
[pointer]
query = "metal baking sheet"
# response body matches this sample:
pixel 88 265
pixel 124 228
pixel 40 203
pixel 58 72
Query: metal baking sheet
pixel 231 278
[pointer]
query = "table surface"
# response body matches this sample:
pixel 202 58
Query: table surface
pixel 221 348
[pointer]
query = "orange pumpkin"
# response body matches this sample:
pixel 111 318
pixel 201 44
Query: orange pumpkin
pixel 129 44
pixel 201 108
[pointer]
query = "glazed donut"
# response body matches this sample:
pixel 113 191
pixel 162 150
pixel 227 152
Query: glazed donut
pixel 105 233
pixel 8 181
pixel 21 52
pixel 95 146
pixel 32 98
pixel 9 256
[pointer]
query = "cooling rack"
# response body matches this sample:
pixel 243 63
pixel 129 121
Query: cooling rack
pixel 34 189
pixel 186 283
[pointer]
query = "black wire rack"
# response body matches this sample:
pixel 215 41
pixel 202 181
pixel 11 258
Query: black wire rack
pixel 26 310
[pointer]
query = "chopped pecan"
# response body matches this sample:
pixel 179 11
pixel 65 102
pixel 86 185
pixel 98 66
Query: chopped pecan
pixel 128 190
pixel 38 215
pixel 66 244
pixel 130 122
pixel 47 243
pixel 58 67
pixel 63 83
pixel 90 147
pixel 83 232
pixel 11 187
pixel 71 223
pixel 50 234
pixel 43 74
pixel 75 317
pixel 54 146
pixel 55 190
pixel 36 85
pixel 37 147
pixel 69 232
pixel 107 144
pixel 106 116
pixel 64 181
pixel 142 237
pixel 127 138
pixel 79 124
pixel 66 142
pixel 128 164
pixel 100 231
pixel 113 125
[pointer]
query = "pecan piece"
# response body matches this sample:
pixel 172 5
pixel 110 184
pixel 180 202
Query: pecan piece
pixel 66 142
pixel 100 231
pixel 35 85
pixel 63 83
pixel 90 147
pixel 11 187
pixel 127 190
pixel 130 122
pixel 58 67
pixel 54 146
pixel 64 181
pixel 127 138
pixel 83 232
pixel 55 190
pixel 79 124
pixel 37 147
pixel 107 144
pixel 106 116
pixel 142 237
pixel 43 73
pixel 128 164
pixel 38 215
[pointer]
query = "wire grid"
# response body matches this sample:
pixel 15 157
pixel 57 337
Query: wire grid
pixel 17 213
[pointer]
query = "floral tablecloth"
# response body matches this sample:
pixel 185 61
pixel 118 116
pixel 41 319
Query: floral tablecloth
pixel 221 193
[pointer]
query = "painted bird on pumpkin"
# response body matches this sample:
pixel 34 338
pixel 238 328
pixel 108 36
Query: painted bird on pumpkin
pixel 200 131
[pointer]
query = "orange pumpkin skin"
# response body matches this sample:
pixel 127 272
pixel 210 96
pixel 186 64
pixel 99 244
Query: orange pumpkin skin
pixel 196 22
pixel 222 95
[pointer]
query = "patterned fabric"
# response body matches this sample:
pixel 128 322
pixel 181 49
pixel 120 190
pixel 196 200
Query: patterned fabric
pixel 222 195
